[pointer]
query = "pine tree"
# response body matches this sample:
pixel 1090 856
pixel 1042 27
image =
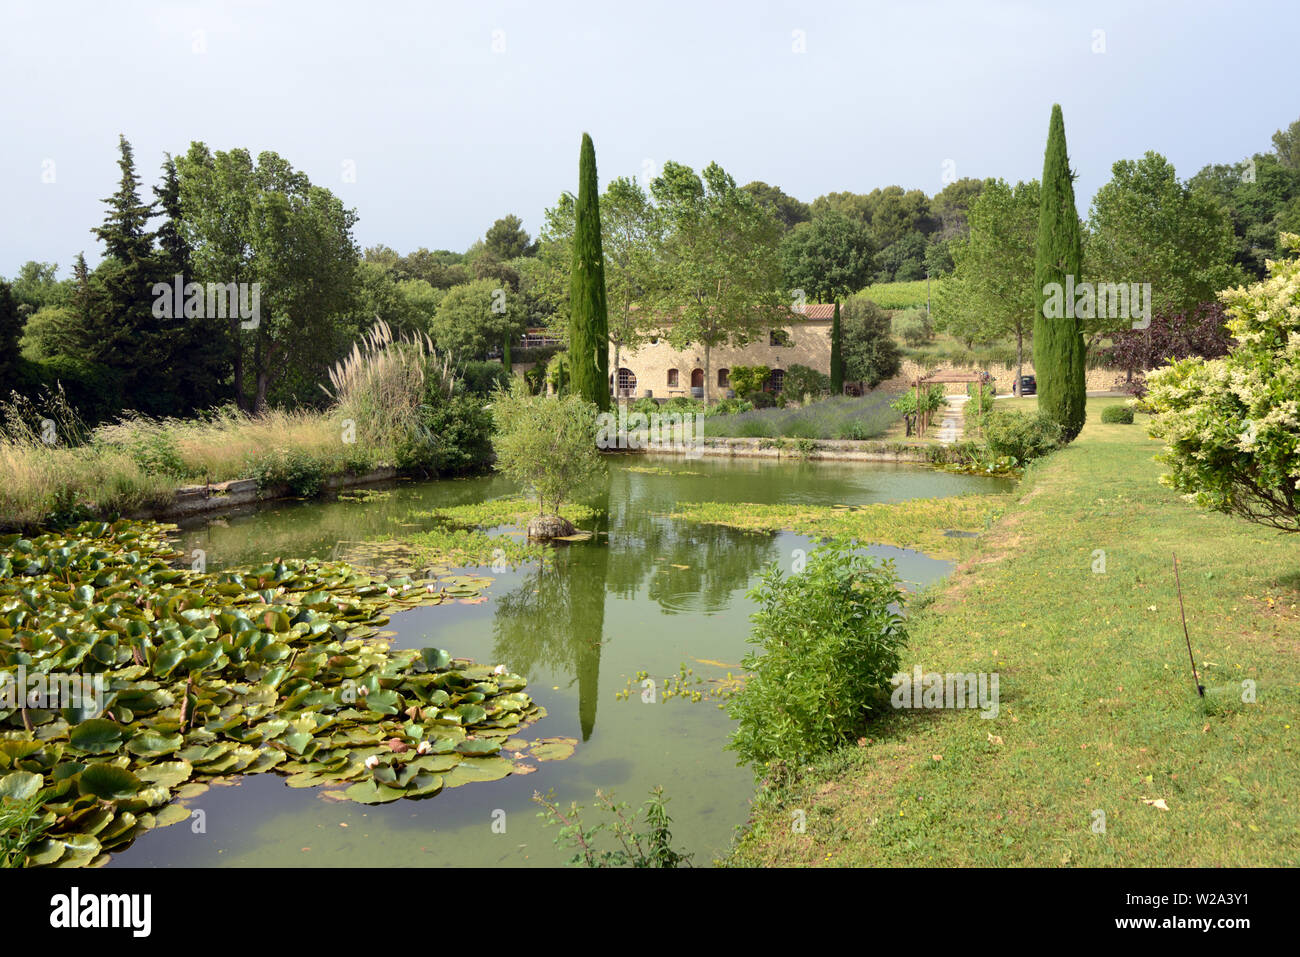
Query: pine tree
pixel 1058 341
pixel 173 249
pixel 588 317
pixel 837 362
pixel 124 333
pixel 83 306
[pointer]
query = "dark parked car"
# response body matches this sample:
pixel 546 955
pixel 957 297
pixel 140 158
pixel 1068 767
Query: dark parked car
pixel 1028 386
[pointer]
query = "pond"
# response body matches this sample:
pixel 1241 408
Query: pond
pixel 646 594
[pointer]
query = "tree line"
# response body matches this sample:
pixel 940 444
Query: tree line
pixel 725 263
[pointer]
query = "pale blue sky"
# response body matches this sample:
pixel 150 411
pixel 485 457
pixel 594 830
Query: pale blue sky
pixel 447 134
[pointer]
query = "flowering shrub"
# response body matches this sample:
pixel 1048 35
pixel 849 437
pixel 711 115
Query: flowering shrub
pixel 1232 425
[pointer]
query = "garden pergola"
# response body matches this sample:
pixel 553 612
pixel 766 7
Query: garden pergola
pixel 937 378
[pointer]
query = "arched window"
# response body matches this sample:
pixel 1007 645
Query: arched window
pixel 626 382
pixel 697 378
pixel 776 381
pixel 724 378
pixel 672 378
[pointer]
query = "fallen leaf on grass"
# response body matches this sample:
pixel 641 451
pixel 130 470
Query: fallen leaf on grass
pixel 1157 802
pixel 995 739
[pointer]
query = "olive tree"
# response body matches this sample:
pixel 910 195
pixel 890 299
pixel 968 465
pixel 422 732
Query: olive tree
pixel 548 445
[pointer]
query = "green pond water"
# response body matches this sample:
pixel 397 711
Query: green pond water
pixel 646 594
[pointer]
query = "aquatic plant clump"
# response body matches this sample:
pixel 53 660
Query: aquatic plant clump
pixel 200 676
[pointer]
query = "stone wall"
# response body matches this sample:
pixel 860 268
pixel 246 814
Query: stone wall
pixel 1098 380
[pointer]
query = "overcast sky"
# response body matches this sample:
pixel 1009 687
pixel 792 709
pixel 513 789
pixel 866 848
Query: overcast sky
pixel 454 114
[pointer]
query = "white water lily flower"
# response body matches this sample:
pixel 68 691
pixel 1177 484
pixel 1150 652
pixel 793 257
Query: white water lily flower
pixel 372 762
pixel 424 747
pixel 499 670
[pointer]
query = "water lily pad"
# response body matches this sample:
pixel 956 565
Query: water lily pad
pixel 97 736
pixel 369 792
pixel 150 744
pixel 166 774
pixel 553 749
pixel 172 814
pixel 109 783
pixel 477 769
pixel 478 746
pixel 20 785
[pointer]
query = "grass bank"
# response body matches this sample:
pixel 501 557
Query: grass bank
pixel 1101 754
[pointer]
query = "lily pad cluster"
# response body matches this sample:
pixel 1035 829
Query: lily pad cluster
pixel 208 675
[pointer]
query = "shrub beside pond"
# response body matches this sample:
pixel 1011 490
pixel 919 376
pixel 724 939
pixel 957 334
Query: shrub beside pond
pixel 1023 436
pixel 831 637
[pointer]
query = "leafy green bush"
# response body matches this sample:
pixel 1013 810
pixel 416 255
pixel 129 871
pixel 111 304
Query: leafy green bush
pixel 151 445
pixel 932 400
pixel 748 381
pixel 728 407
pixel 1022 435
pixel 679 403
pixel 1117 414
pixel 830 636
pixel 980 405
pixel 803 381
pixel 761 400
pixel 301 471
pixel 481 378
pixel 452 435
pixel 645 405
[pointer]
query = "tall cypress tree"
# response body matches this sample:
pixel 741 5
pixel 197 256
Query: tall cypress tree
pixel 1058 341
pixel 588 316
pixel 837 361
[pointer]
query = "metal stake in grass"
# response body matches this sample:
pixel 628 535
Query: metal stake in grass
pixel 1200 688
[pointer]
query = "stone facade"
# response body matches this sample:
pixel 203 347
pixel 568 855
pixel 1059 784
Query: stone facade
pixel 659 370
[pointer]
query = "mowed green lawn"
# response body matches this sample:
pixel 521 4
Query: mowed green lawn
pixel 1102 753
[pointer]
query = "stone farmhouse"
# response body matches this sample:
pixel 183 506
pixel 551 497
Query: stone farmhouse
pixel 659 371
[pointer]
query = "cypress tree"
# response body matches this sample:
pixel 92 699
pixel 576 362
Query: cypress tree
pixel 837 361
pixel 1058 341
pixel 588 316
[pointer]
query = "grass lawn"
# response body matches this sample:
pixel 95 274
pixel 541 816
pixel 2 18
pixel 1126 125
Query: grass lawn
pixel 1099 714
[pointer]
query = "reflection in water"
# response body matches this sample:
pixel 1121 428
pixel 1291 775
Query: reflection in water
pixel 646 595
pixel 555 618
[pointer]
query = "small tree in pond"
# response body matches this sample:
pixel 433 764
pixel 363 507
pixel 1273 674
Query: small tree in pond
pixel 548 445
